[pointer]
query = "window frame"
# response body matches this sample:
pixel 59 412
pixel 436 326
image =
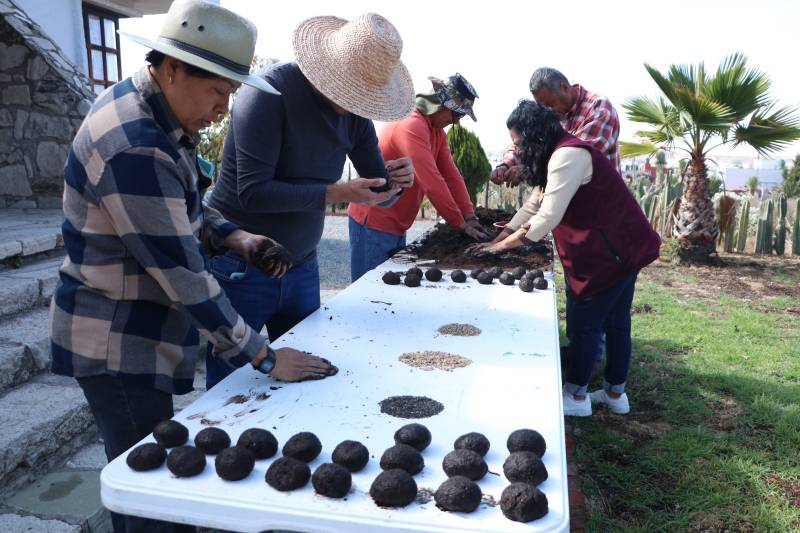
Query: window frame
pixel 103 15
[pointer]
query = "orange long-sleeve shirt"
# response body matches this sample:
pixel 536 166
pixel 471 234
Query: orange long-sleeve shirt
pixel 436 177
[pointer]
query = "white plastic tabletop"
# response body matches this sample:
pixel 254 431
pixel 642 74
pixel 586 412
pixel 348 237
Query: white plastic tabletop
pixel 513 382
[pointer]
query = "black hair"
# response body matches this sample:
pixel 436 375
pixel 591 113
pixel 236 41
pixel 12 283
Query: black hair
pixel 540 130
pixel 155 58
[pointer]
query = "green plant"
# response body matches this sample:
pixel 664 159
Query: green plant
pixel 791 178
pixel 696 110
pixel 752 184
pixel 726 220
pixel 470 158
pixel 743 227
pixel 796 230
pixel 765 225
pixel 780 236
pixel 669 250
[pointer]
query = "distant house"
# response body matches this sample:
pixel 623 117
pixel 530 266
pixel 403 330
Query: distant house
pixel 55 56
pixel 736 178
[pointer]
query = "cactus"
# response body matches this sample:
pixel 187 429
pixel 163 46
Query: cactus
pixel 744 223
pixel 726 220
pixel 780 235
pixel 764 234
pixel 796 230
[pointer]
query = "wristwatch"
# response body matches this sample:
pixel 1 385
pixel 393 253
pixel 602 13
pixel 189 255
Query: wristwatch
pixel 268 364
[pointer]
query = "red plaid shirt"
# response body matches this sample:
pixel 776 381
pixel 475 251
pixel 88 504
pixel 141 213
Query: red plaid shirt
pixel 593 119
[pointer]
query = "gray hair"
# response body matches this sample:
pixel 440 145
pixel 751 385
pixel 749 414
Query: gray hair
pixel 546 78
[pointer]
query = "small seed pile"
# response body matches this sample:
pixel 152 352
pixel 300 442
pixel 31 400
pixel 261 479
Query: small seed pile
pixel 459 330
pixel 428 360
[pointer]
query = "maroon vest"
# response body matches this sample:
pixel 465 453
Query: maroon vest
pixel 604 235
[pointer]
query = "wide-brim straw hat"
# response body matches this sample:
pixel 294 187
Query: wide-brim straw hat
pixel 209 37
pixel 356 65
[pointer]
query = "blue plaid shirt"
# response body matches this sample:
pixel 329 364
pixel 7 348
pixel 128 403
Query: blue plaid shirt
pixel 134 289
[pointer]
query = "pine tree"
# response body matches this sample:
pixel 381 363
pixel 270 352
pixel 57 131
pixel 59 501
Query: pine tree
pixel 470 159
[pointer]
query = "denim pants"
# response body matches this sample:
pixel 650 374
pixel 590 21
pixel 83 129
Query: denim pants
pixel 568 303
pixel 125 415
pixel 608 312
pixel 278 303
pixel 370 247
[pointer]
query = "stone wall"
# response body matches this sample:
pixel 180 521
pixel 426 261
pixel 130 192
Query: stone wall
pixel 43 101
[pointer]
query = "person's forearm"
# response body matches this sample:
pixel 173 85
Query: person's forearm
pixel 280 197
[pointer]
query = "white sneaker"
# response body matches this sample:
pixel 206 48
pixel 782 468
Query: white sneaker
pixel 620 406
pixel 573 407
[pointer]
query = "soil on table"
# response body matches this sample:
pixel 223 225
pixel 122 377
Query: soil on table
pixel 445 246
pixel 410 406
pixel 428 360
pixel 459 330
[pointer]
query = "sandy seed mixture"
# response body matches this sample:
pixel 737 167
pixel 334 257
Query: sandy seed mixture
pixel 428 360
pixel 459 330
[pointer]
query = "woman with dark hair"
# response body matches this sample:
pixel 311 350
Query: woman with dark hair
pixel 602 238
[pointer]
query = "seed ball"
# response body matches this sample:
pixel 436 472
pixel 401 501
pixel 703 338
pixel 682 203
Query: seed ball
pixel 521 502
pixel 414 271
pixel 495 272
pixel 526 440
pixel 351 454
pixel 540 284
pixel 304 446
pixel 518 272
pixel 484 278
pixel 412 281
pixel 393 488
pixel 458 494
pixel 458 276
pixel 147 456
pixel 433 274
pixel 476 442
pixel 170 433
pixel 287 473
pixel 186 461
pixel 261 442
pixel 404 457
pixel 536 273
pixel 526 284
pixel 332 480
pixel 526 467
pixel 212 440
pixel 233 464
pixel 415 435
pixel 391 278
pixel 474 274
pixel 507 279
pixel 464 463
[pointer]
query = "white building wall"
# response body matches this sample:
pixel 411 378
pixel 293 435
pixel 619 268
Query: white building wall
pixel 63 22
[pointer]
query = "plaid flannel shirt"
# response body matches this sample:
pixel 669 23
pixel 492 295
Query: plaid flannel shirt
pixel 134 289
pixel 593 119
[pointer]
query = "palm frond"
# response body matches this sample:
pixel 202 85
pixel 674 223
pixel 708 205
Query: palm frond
pixel 698 111
pixel 769 131
pixel 743 90
pixel 629 149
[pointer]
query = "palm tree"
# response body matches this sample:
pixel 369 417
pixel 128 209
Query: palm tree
pixel 697 112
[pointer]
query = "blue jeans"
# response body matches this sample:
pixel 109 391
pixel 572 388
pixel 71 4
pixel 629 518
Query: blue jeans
pixel 608 312
pixel 569 302
pixel 370 247
pixel 278 303
pixel 125 415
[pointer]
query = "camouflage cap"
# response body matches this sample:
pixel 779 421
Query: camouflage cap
pixel 457 94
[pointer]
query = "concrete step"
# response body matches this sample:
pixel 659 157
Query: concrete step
pixel 44 422
pixel 14 523
pixel 29 286
pixel 28 232
pixel 24 347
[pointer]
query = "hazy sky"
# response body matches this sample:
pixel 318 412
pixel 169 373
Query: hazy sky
pixel 497 44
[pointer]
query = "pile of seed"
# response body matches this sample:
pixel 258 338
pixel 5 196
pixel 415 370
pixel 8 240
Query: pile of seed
pixel 459 330
pixel 428 360
pixel 410 406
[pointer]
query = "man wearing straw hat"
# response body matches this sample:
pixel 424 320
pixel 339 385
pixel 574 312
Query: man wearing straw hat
pixel 134 291
pixel 375 233
pixel 284 156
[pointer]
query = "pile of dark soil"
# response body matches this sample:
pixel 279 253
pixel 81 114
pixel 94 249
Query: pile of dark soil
pixel 445 246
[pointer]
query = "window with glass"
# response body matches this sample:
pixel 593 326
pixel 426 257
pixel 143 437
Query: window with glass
pixel 102 47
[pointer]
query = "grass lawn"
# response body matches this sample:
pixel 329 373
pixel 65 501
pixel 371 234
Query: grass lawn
pixel 712 443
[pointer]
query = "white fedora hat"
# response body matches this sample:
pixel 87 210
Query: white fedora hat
pixel 208 37
pixel 356 64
